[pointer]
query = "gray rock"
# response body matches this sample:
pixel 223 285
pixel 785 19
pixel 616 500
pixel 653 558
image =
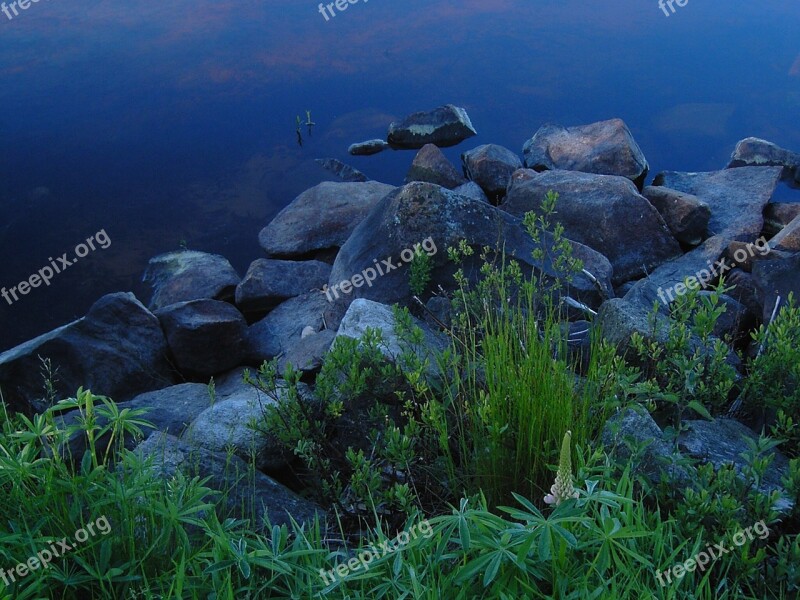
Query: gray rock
pixel 189 275
pixel 439 312
pixel 788 239
pixel 341 170
pixel 427 214
pixel 444 126
pixel 281 329
pixel 118 350
pixel 246 492
pixel 472 190
pixel 269 282
pixel 737 197
pixel 632 428
pixel 368 148
pixel 778 215
pixel 206 337
pixel 685 215
pixel 722 442
pixel 755 152
pixel 592 208
pixel 777 277
pixel 308 353
pixel 491 167
pixel 431 165
pixel 320 218
pixel 603 148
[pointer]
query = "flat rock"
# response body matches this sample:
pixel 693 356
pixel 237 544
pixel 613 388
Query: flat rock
pixel 431 165
pixel 491 167
pixel 434 218
pixel 592 209
pixel 247 492
pixel 603 148
pixel 320 218
pixel 686 215
pixel 189 275
pixel 205 337
pixel 736 197
pixel 368 148
pixel 269 282
pixel 444 126
pixel 118 350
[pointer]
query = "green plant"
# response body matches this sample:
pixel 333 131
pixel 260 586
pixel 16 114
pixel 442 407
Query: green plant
pixel 420 272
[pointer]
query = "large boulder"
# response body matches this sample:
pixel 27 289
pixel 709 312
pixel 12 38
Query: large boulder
pixel 206 337
pixel 431 165
pixel 777 277
pixel 603 148
pixel 755 152
pixel 282 329
pixel 270 282
pixel 736 197
pixel 373 264
pixel 321 218
pixel 246 492
pixel 592 208
pixel 444 126
pixel 686 215
pixel 491 167
pixel 118 349
pixel 189 275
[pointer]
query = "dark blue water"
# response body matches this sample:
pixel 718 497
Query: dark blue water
pixel 173 123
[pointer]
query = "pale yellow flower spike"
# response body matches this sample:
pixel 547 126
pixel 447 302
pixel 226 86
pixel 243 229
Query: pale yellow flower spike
pixel 562 488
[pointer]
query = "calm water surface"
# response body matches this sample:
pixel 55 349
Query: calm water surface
pixel 173 123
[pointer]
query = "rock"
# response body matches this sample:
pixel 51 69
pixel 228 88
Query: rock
pixel 341 170
pixel 246 492
pixel 439 310
pixel 431 165
pixel 364 314
pixel 685 215
pixel 472 190
pixel 170 410
pixel 189 275
pixel 444 126
pixel 308 353
pixel 592 209
pixel 491 167
pixel 737 197
pixel 773 278
pixel 238 422
pixel 743 290
pixel 282 328
pixel 368 148
pixel 667 282
pixel 755 152
pixel 788 238
pixel 270 282
pixel 735 321
pixel 118 350
pixel 637 428
pixel 206 337
pixel 603 148
pixel 321 218
pixel 307 331
pixel 778 215
pixel 434 218
pixel 722 442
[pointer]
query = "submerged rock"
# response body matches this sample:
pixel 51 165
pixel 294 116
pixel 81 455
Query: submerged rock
pixel 189 275
pixel 431 165
pixel 593 209
pixel 603 148
pixel 320 218
pixel 444 126
pixel 736 197
pixel 341 170
pixel 118 350
pixel 368 148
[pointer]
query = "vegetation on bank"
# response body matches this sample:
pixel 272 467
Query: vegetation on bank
pixel 467 438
